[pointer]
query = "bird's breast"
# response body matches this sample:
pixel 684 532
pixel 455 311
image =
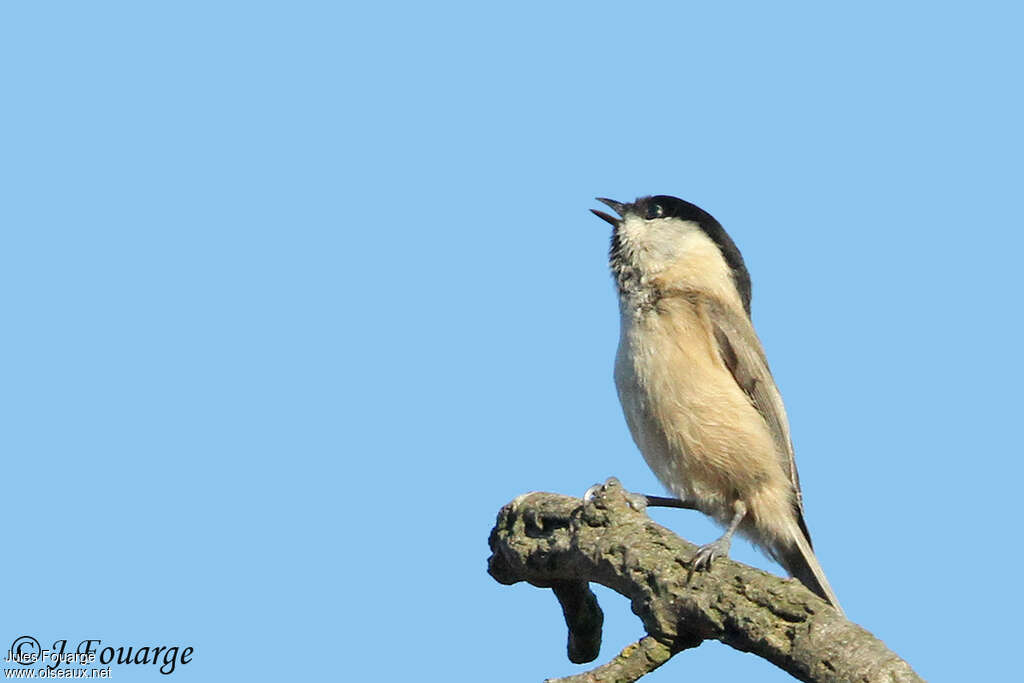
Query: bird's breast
pixel 696 428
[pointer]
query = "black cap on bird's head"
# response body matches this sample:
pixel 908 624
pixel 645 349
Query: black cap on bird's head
pixel 666 207
pixel 658 206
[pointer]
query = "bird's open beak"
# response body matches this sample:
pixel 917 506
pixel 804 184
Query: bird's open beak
pixel 615 206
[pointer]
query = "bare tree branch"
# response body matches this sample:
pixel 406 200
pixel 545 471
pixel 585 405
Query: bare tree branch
pixel 560 542
pixel 636 660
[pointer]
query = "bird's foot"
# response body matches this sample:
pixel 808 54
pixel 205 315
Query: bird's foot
pixel 636 501
pixel 706 554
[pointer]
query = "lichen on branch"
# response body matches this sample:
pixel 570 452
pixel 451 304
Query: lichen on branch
pixel 564 543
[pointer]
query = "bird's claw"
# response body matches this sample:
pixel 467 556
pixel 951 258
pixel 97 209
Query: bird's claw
pixel 706 554
pixel 590 493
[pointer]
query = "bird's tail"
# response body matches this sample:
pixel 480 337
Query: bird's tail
pixel 797 557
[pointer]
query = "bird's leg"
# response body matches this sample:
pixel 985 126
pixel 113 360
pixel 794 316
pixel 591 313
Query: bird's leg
pixel 662 502
pixel 706 554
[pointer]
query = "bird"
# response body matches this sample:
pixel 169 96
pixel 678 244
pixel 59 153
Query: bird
pixel 694 383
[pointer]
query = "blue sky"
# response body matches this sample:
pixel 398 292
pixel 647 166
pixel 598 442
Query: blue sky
pixel 298 295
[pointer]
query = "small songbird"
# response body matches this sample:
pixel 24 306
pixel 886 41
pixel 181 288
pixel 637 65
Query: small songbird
pixel 694 383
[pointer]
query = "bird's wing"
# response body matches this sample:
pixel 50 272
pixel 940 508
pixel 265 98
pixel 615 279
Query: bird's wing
pixel 740 350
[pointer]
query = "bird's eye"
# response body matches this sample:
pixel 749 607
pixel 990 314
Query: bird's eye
pixel 654 211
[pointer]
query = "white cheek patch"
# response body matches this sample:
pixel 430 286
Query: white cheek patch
pixel 658 244
pixel 670 240
pixel 678 253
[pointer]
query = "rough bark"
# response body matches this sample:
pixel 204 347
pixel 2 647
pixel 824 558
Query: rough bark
pixel 563 543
